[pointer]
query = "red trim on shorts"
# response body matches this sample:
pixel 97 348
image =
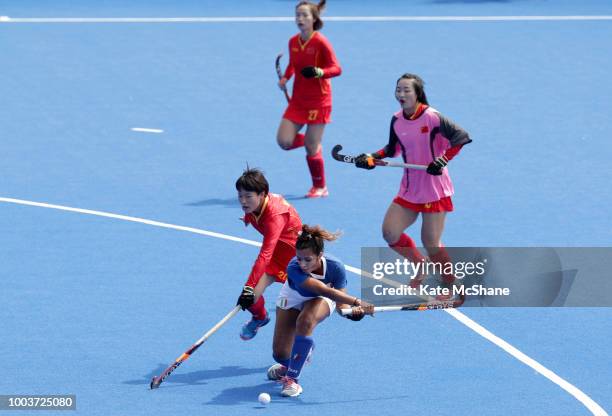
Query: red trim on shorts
pixel 443 205
pixel 319 115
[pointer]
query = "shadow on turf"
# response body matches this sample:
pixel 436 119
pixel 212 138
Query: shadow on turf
pixel 471 1
pixel 232 202
pixel 294 197
pixel 196 377
pixel 224 202
pixel 249 395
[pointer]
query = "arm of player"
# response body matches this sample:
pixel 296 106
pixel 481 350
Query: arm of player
pixel 339 296
pixel 272 233
pixel 289 71
pixel 329 63
pixel 435 167
pixel 341 305
pixel 391 149
pixel 357 312
pixel 457 138
pixel 456 135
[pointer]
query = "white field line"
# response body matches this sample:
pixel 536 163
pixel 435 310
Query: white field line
pixel 146 130
pixel 272 19
pixel 575 392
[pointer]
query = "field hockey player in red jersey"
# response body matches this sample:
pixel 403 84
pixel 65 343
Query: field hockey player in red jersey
pixel 421 135
pixel 315 282
pixel 313 62
pixel 279 223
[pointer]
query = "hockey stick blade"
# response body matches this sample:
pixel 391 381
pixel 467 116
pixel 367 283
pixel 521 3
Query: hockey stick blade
pixel 156 381
pixel 277 65
pixel 341 158
pixel 279 73
pixel 351 159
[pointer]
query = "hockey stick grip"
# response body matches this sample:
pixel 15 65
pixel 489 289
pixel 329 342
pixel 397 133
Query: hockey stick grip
pixel 434 304
pixel 378 162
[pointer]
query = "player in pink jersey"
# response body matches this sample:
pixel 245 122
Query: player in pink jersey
pixel 313 62
pixel 421 135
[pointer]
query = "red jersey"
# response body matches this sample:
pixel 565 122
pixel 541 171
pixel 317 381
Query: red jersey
pixel 278 221
pixel 316 51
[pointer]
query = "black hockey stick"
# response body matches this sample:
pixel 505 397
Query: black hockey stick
pixel 378 162
pixel 280 75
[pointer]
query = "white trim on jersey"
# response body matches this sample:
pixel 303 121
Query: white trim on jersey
pixel 318 276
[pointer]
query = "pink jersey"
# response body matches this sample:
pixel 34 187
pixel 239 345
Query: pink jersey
pixel 420 141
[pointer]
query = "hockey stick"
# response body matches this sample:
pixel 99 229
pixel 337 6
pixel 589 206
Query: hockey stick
pixel 436 304
pixel 280 75
pixel 378 162
pixel 156 381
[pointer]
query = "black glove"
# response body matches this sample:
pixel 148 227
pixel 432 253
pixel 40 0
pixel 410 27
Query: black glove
pixel 246 298
pixel 366 161
pixel 357 314
pixel 435 167
pixel 312 72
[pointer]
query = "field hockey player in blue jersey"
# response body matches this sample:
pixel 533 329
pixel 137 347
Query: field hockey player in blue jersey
pixel 315 283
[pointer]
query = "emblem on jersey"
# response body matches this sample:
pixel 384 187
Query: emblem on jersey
pixel 294 50
pixel 424 129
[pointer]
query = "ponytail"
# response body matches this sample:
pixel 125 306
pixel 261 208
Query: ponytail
pixel 313 237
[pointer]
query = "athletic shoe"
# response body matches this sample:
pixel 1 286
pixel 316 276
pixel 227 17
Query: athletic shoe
pixel 249 329
pixel 451 285
pixel 276 372
pixel 290 387
pixel 317 192
pixel 417 281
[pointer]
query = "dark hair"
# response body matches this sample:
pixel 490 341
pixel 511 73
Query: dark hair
pixel 313 238
pixel 316 10
pixel 418 84
pixel 252 180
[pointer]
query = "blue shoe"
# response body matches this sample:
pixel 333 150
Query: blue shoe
pixel 249 330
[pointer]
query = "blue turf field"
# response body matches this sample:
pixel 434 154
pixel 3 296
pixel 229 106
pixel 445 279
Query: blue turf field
pixel 96 306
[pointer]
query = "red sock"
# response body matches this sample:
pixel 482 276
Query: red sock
pixel 407 248
pixel 317 169
pixel 298 141
pixel 258 309
pixel 442 257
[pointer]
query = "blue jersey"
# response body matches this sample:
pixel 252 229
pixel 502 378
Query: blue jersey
pixel 334 275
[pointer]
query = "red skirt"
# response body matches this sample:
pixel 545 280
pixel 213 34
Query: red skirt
pixel 443 205
pixel 318 115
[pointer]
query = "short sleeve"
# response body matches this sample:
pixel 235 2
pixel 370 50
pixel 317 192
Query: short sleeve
pixel 295 274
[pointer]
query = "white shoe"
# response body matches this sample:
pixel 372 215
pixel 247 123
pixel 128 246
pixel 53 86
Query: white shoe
pixel 317 192
pixel 290 387
pixel 276 372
